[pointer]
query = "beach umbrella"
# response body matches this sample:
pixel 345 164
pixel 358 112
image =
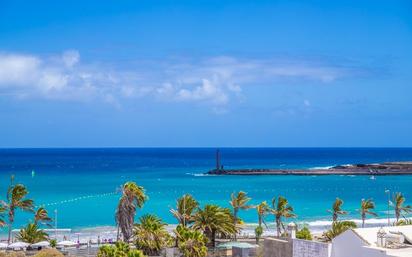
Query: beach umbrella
pixel 41 244
pixel 18 245
pixel 3 245
pixel 66 243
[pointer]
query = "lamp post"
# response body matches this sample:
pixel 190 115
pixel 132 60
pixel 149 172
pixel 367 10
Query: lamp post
pixel 389 200
pixel 55 223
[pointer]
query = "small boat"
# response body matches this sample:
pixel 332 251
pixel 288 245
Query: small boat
pixel 372 177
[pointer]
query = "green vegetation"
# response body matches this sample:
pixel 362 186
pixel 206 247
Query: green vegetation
pixel 403 222
pixel 366 208
pixel 400 208
pixel 281 209
pixel 238 202
pixel 191 243
pixel 42 216
pixel 338 227
pixel 262 209
pixel 31 234
pixel 337 209
pixel 304 233
pixel 213 220
pixel 16 200
pixel 120 249
pixel 151 235
pixel 53 243
pixel 185 208
pixel 133 196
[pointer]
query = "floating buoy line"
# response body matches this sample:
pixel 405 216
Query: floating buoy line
pixel 78 199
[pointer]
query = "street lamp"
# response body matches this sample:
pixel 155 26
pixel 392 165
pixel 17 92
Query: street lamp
pixel 55 223
pixel 389 200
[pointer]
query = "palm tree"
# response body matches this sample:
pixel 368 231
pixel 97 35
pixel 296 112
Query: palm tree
pixel 42 216
pixel 185 207
pixel 261 210
pixel 16 200
pixel 239 202
pixel 191 243
pixel 214 220
pixel 338 227
pixel 151 235
pixel 281 209
pixel 32 234
pixel 133 196
pixel 400 208
pixel 337 209
pixel 366 208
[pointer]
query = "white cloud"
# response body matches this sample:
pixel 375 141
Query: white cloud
pixel 18 70
pixel 71 57
pixel 215 81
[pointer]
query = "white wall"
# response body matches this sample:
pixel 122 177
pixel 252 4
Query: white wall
pixel 305 248
pixel 347 244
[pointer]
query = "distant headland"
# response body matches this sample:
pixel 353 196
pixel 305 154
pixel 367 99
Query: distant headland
pixel 372 169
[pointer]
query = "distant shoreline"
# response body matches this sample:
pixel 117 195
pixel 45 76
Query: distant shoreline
pixel 373 169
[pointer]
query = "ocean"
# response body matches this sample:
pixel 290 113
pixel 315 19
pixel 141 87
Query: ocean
pixel 81 185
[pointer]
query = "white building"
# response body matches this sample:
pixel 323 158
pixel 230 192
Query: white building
pixel 374 242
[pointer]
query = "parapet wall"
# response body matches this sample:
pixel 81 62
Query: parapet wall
pixel 275 247
pixel 287 247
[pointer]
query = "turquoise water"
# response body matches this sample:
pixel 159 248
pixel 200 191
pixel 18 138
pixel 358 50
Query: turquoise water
pixel 81 184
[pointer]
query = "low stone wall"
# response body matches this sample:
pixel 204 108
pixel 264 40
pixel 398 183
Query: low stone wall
pixel 287 247
pixel 305 248
pixel 275 247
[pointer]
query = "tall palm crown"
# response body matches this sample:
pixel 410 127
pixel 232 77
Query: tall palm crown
pixel 214 220
pixel 42 216
pixel 281 209
pixel 262 209
pixel 150 235
pixel 400 208
pixel 238 202
pixel 337 209
pixel 366 208
pixel 185 208
pixel 16 200
pixel 133 197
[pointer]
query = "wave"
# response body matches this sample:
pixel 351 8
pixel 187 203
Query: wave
pixel 199 174
pixel 322 167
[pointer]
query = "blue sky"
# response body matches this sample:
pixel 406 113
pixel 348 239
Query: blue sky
pixel 205 73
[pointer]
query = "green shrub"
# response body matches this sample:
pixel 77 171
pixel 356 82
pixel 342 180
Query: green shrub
pixel 304 233
pixel 121 249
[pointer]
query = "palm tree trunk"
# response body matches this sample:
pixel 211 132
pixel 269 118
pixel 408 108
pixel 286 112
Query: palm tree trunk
pixel 397 213
pixel 278 226
pixel 235 221
pixel 363 220
pixel 10 226
pixel 213 238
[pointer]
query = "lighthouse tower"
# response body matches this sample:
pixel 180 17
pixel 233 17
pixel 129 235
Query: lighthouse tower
pixel 218 167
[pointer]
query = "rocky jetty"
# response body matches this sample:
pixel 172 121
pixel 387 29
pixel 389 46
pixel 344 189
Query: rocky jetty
pixel 386 168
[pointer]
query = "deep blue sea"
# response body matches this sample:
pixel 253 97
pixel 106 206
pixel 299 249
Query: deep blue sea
pixel 81 184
